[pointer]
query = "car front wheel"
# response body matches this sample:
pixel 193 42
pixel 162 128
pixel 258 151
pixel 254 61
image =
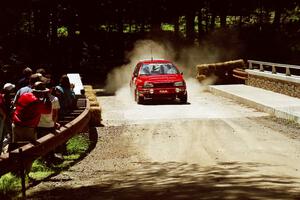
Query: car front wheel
pixel 183 99
pixel 138 99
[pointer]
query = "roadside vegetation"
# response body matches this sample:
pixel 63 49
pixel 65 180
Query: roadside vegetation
pixel 92 37
pixel 76 148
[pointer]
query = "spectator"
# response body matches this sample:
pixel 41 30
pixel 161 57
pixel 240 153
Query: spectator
pixel 8 95
pixel 24 81
pixel 64 92
pixel 33 79
pixel 26 116
pixel 49 120
pixel 41 71
pixel 2 120
pixel 44 76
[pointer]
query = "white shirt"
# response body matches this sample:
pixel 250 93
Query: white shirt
pixel 46 120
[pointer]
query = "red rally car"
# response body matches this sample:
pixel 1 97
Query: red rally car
pixel 157 79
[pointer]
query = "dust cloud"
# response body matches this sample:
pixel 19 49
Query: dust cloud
pixel 186 59
pixel 143 49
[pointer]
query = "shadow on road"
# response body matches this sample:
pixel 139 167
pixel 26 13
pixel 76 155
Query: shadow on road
pixel 164 102
pixel 181 181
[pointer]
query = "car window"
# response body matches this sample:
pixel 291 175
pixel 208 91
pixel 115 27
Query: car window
pixel 158 68
pixel 145 70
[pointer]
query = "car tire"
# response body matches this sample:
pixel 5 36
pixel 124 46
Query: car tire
pixel 138 99
pixel 183 99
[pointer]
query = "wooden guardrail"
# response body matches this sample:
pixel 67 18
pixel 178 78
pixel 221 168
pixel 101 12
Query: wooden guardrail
pixel 222 70
pixel 240 73
pixel 262 65
pixel 75 123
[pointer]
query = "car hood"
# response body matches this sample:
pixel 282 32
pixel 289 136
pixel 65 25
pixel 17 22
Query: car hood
pixel 162 78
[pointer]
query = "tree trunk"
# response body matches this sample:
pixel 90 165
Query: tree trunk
pixel 176 25
pixel 155 25
pixel 277 18
pixel 206 21
pixel 223 17
pixel 53 42
pixel 190 26
pixel 212 21
pixel 240 22
pixel 200 28
pixel 120 25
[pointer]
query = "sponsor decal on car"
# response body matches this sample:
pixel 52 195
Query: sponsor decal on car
pixel 163 91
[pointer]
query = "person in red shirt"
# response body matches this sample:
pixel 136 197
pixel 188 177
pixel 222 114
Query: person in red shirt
pixel 27 114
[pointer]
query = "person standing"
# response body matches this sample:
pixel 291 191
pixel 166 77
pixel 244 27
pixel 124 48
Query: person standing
pixel 49 120
pixel 8 95
pixel 27 113
pixel 2 120
pixel 28 88
pixel 27 72
pixel 64 92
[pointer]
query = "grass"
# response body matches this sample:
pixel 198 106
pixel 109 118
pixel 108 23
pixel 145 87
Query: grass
pixel 39 170
pixel 77 145
pixel 9 184
pixel 76 148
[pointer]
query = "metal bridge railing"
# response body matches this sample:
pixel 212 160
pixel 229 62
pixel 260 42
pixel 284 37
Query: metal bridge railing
pixel 253 64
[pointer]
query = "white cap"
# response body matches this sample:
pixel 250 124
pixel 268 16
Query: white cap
pixel 8 86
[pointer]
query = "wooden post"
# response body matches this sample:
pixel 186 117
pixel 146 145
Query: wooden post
pixel 273 69
pixel 287 71
pixel 250 65
pixel 22 173
pixel 261 67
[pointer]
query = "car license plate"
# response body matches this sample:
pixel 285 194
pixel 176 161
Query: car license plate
pixel 163 91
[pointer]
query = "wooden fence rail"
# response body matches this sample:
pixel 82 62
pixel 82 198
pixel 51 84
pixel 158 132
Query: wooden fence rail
pixel 76 123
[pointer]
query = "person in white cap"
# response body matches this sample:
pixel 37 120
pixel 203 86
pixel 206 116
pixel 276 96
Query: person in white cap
pixel 2 120
pixel 8 87
pixel 8 93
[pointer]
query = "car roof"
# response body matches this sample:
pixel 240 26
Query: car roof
pixel 154 61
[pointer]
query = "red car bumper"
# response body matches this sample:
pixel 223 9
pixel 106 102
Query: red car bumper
pixel 162 93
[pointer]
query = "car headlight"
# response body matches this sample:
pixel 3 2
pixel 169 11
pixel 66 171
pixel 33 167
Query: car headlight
pixel 148 85
pixel 180 83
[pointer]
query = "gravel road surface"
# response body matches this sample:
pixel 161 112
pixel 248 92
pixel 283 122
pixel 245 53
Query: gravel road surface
pixel 210 148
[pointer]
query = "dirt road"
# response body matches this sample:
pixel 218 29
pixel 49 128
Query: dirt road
pixel 211 148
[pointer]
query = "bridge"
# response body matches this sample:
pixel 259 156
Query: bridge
pixel 269 87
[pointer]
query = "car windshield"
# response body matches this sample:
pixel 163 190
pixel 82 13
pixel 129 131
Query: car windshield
pixel 158 69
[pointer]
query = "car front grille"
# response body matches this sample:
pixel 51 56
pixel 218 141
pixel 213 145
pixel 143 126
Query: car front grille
pixel 163 85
